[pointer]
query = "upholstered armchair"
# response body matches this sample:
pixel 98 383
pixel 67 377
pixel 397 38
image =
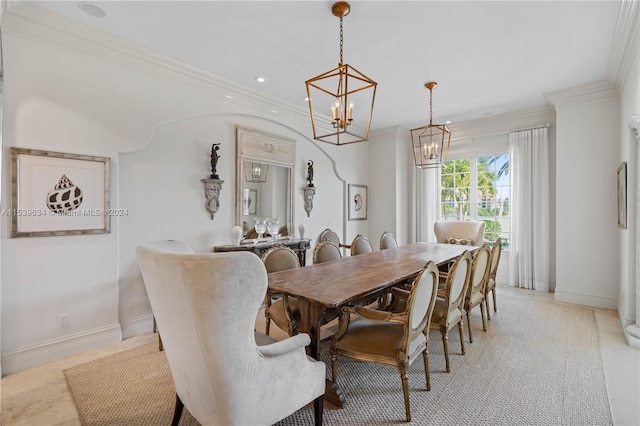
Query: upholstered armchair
pixel 460 232
pixel 390 338
pixel 206 306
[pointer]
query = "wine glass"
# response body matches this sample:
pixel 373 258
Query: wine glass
pixel 261 226
pixel 273 227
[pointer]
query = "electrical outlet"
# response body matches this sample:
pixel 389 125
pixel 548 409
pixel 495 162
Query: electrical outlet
pixel 63 320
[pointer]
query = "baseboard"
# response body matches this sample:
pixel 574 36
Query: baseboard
pixel 41 353
pixel 586 299
pixel 141 325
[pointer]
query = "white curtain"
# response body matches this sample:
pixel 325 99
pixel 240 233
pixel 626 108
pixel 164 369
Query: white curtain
pixel 427 202
pixel 529 245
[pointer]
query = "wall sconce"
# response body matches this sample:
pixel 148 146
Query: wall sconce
pixel 309 190
pixel 256 172
pixel 213 184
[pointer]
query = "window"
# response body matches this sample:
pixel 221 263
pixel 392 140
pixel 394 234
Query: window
pixel 477 188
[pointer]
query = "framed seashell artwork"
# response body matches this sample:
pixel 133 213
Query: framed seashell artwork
pixel 57 194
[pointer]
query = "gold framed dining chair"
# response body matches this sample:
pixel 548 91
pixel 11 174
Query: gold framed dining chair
pixel 331 235
pixel 282 309
pixel 449 304
pixel 360 245
pixel 477 286
pixel 326 251
pixel 388 240
pixel 395 339
pixel 496 252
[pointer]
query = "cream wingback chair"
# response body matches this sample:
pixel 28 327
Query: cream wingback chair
pixel 206 306
pixel 460 232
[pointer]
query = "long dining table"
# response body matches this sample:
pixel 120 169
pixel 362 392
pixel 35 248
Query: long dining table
pixel 352 280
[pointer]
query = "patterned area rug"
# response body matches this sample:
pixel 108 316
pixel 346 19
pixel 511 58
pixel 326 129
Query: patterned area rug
pixel 537 364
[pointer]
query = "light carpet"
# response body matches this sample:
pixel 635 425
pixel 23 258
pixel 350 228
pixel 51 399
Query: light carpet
pixel 537 364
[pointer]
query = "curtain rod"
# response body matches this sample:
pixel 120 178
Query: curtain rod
pixel 540 126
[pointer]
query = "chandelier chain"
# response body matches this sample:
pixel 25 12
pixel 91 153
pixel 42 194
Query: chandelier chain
pixel 430 106
pixel 341 40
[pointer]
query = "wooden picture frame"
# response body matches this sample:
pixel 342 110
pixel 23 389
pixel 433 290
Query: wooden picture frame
pixel 622 195
pixel 358 202
pixel 58 194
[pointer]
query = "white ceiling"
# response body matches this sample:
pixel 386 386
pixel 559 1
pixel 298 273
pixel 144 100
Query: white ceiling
pixel 488 57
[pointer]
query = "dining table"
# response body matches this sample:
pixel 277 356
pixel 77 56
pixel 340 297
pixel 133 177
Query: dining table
pixel 353 280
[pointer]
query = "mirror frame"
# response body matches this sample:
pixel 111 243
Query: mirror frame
pixel 267 148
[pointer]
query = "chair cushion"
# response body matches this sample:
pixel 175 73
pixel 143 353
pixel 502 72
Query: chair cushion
pixel 459 241
pixel 440 310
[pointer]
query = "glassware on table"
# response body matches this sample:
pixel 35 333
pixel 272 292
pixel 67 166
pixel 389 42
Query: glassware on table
pixel 273 226
pixel 261 226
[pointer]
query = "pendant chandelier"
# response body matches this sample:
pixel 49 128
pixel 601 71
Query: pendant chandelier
pixel 256 172
pixel 429 141
pixel 346 94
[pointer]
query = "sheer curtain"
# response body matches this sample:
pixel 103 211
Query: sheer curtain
pixel 427 202
pixel 529 245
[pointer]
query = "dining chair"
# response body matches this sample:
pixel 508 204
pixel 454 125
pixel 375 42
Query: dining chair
pixel 360 245
pixel 389 338
pixel 448 309
pixel 223 371
pixel 331 235
pixel 388 240
pixel 326 251
pixel 477 286
pixel 496 252
pixel 282 309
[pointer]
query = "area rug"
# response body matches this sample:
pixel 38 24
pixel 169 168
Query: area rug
pixel 537 364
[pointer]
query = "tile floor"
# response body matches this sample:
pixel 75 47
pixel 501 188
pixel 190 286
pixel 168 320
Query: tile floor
pixel 39 397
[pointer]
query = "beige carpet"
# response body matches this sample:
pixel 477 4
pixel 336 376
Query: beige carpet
pixel 538 364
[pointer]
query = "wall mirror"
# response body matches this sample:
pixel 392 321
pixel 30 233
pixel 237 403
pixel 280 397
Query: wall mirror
pixel 264 179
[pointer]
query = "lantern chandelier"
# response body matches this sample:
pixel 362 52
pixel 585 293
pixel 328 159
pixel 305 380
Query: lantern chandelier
pixel 429 141
pixel 346 93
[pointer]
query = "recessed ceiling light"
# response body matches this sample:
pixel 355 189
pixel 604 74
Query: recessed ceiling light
pixel 92 10
pixel 306 98
pixel 261 79
pixel 228 96
pixel 274 111
pixel 447 122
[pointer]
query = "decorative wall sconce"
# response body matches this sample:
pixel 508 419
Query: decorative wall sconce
pixel 213 184
pixel 309 190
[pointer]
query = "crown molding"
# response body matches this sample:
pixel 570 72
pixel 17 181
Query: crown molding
pixel 40 25
pixel 582 95
pixel 503 123
pixel 625 44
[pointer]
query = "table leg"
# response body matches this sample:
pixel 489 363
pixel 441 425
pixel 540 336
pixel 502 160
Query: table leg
pixel 311 316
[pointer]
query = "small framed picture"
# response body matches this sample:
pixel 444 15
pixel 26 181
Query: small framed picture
pixel 622 196
pixel 358 202
pixel 249 202
pixel 57 194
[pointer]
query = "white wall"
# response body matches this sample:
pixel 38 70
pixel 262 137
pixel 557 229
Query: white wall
pixel 587 156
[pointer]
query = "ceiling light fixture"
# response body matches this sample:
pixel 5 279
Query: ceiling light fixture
pixel 344 91
pixel 261 79
pixel 92 10
pixel 256 172
pixel 429 141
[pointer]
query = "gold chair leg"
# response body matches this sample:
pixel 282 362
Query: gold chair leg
pixel 495 307
pixel 486 304
pixel 461 331
pixel 334 367
pixel 267 324
pixel 425 357
pixel 482 313
pixel 445 344
pixel 405 390
pixel 469 326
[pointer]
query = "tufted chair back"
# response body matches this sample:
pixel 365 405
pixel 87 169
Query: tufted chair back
pixel 460 232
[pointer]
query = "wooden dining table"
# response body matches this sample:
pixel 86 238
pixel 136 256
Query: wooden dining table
pixel 353 280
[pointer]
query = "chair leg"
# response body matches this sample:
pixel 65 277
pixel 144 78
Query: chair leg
pixel 445 344
pixel 334 367
pixel 425 357
pixel 318 405
pixel 177 413
pixel 486 303
pixel 405 390
pixel 267 324
pixel 495 307
pixel 469 325
pixel 461 331
pixel 482 313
